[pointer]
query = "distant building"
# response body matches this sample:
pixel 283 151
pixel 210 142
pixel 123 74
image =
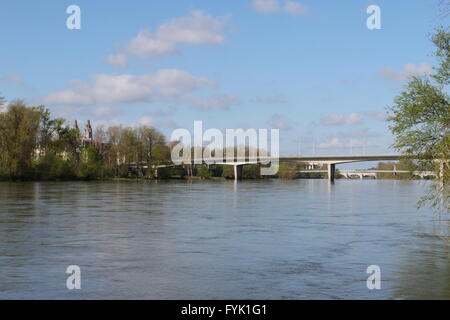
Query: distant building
pixel 87 138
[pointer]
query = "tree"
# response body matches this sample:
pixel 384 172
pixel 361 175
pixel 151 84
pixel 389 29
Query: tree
pixel 92 166
pixel 48 128
pixel 33 145
pixel 19 127
pixel 288 170
pixel 420 120
pixel 151 146
pixel 204 172
pixel 114 160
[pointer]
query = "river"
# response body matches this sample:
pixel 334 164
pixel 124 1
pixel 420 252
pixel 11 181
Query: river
pixel 270 239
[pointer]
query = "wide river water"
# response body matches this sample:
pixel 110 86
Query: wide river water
pixel 270 239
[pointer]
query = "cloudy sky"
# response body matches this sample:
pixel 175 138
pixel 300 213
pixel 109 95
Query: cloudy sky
pixel 310 68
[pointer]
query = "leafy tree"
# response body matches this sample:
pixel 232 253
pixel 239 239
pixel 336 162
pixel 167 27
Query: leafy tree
pixel 216 170
pixel 112 153
pixel 19 127
pixel 251 171
pixel 228 172
pixel 204 172
pixel 288 170
pixel 402 165
pixel 92 166
pixel 420 119
pixel 54 167
pixel 48 127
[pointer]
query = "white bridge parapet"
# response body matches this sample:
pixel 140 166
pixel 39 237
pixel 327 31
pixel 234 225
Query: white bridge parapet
pixel 329 160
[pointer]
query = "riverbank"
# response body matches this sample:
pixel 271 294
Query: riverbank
pixel 195 178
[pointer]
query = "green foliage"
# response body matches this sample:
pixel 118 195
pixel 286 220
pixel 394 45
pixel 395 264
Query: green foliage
pixel 204 173
pixel 34 145
pixel 54 167
pixel 441 40
pixel 91 167
pixel 251 171
pixel 19 126
pixel 216 170
pixel 420 118
pixel 402 165
pixel 164 173
pixel 228 172
pixel 288 170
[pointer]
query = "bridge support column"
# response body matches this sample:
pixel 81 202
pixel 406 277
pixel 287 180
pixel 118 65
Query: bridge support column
pixel 331 172
pixel 441 171
pixel 238 172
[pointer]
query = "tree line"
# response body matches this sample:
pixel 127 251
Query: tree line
pixel 35 146
pixel 420 120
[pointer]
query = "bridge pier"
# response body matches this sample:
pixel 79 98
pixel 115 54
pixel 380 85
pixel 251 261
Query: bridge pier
pixel 331 172
pixel 441 171
pixel 238 172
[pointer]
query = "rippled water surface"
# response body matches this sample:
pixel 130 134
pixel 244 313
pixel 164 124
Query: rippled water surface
pixel 272 239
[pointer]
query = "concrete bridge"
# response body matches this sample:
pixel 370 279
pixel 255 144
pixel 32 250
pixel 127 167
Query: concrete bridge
pixel 374 173
pixel 331 161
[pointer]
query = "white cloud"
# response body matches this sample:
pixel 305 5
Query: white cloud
pixel 100 112
pixel 196 28
pixel 271 99
pixel 119 60
pixel 277 6
pixel 337 143
pixel 156 123
pixel 377 115
pixel 294 8
pixel 335 119
pixel 218 101
pixel 278 121
pixel 408 71
pixel 103 111
pixel 170 111
pixel 13 78
pixel 67 97
pixel 363 133
pixel 146 121
pixel 163 85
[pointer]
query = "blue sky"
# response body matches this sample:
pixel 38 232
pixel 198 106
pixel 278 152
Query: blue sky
pixel 310 68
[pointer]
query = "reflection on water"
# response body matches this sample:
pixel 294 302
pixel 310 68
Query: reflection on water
pixel 218 240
